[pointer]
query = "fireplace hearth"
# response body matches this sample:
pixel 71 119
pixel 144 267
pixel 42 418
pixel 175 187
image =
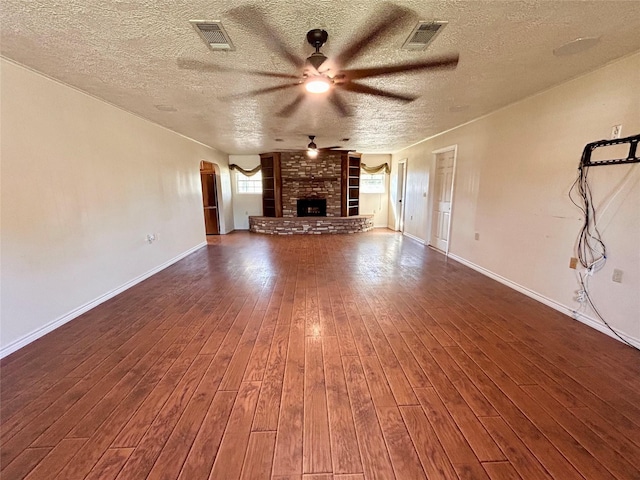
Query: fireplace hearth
pixel 312 207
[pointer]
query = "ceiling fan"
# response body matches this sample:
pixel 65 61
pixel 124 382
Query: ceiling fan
pixel 313 150
pixel 315 77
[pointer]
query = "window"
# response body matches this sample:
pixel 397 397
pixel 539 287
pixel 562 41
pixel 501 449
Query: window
pixel 372 182
pixel 246 184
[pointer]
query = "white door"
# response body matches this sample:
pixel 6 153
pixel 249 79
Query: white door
pixel 443 188
pixel 402 178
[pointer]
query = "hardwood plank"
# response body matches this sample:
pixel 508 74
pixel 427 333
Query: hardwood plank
pixel 451 438
pixel 56 459
pixel 204 449
pixel 27 413
pixel 610 435
pixel 327 324
pixel 604 453
pixel 404 458
pixel 344 445
pixel 501 471
pixel 144 456
pixel 214 341
pixel 316 452
pixel 375 457
pixel 398 381
pixel 436 372
pixel 357 324
pixel 288 451
pixel 236 368
pixel 260 353
pixel 434 460
pixel 59 429
pixel 136 427
pixel 259 457
pixel 529 427
pixel 268 408
pixel 343 327
pixel 470 471
pixel 103 437
pixel 52 417
pixel 517 453
pixel 103 408
pixel 377 382
pixel 229 461
pixel 24 463
pixel 109 466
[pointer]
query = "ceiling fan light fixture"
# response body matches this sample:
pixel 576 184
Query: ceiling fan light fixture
pixel 312 153
pixel 317 84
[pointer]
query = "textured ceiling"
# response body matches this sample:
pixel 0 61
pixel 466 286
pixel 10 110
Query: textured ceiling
pixel 127 53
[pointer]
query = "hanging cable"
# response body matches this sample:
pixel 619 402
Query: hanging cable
pixel 590 248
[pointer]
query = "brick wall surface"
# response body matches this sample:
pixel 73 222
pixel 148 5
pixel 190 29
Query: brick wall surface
pixel 310 225
pixel 304 177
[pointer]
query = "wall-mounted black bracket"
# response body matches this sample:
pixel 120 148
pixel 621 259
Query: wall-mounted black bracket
pixel 631 156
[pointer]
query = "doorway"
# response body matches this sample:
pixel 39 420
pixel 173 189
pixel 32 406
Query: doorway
pixel 402 182
pixel 209 181
pixel 442 199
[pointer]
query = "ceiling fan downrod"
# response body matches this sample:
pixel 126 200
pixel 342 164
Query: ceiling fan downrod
pixel 317 38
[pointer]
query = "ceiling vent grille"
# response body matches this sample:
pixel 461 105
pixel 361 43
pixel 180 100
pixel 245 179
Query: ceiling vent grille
pixel 423 34
pixel 213 34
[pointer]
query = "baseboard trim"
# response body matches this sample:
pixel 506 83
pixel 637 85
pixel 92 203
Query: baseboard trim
pixel 51 326
pixel 581 317
pixel 413 237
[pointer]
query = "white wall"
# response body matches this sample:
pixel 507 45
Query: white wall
pixel 83 183
pixel 376 204
pixel 225 195
pixel 514 170
pixel 244 204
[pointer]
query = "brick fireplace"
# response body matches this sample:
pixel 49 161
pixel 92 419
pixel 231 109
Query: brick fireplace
pixel 307 178
pixel 302 195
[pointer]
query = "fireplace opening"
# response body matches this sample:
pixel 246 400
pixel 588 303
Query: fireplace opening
pixel 312 207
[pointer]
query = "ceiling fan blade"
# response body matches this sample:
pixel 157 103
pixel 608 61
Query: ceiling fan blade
pixel 189 64
pixel 254 18
pixel 260 91
pixel 383 22
pixel 326 149
pixel 339 104
pixel 290 109
pixel 360 88
pixel 433 64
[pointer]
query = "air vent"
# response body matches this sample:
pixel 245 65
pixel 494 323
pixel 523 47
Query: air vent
pixel 423 34
pixel 213 34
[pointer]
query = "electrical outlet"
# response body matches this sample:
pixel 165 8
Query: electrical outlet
pixel 477 236
pixel 616 131
pixel 573 263
pixel 617 276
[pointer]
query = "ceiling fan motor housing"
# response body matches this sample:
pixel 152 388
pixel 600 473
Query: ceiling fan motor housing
pixel 317 38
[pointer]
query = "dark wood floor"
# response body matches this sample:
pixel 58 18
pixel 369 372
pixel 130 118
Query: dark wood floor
pixel 321 357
